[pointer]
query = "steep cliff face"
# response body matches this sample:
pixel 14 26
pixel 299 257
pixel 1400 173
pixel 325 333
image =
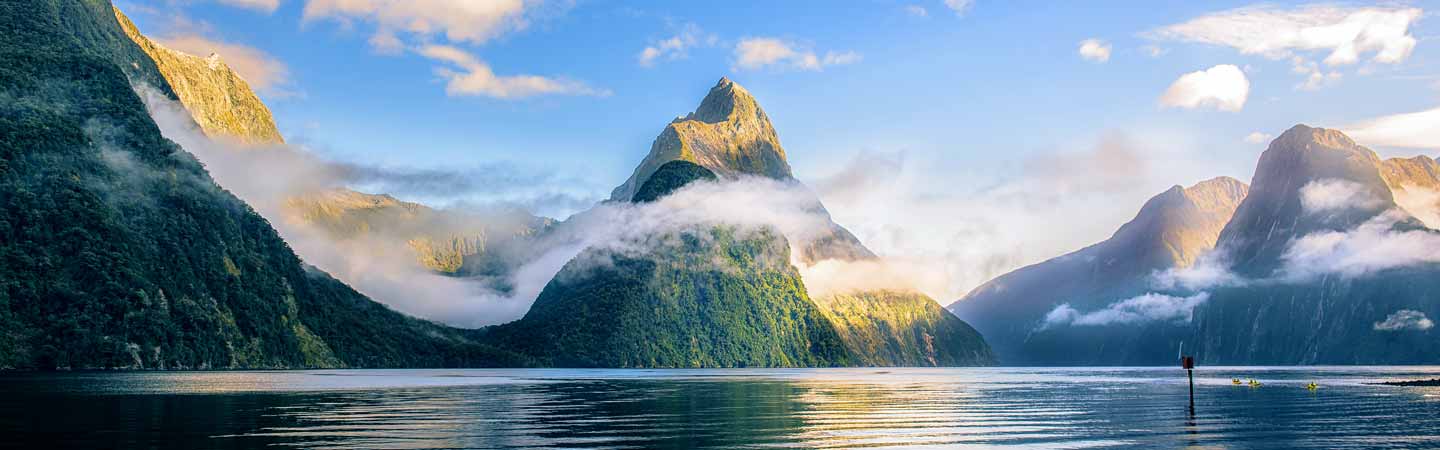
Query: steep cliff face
pixel 219 100
pixel 728 134
pixel 1171 230
pixel 1273 213
pixel 117 249
pixel 1310 184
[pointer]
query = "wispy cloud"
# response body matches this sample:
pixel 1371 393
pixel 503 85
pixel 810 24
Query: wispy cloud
pixel 1405 319
pixel 1223 87
pixel 474 22
pixel 1347 33
pixel 1151 307
pixel 265 6
pixel 1419 129
pixel 960 7
pixel 1344 35
pixel 762 52
pixel 468 75
pixel 1095 50
pixel 1256 137
pixel 677 46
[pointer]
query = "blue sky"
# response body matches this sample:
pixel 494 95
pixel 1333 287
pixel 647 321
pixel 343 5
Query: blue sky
pixel 985 123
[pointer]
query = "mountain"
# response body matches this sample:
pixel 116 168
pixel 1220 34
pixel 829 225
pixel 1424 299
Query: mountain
pixel 1416 185
pixel 1321 305
pixel 717 297
pixel 730 135
pixel 714 295
pixel 897 328
pixel 221 102
pixel 1272 214
pixel 117 249
pixel 225 107
pixel 1170 231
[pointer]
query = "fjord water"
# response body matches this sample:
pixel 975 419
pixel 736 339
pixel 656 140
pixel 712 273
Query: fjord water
pixel 741 408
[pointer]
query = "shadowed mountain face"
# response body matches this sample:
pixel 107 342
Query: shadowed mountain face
pixel 1305 241
pixel 1273 213
pixel 117 249
pixel 1171 230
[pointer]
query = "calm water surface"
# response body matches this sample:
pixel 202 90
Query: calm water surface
pixel 744 408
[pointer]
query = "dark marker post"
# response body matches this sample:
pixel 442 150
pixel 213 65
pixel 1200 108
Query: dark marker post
pixel 1188 363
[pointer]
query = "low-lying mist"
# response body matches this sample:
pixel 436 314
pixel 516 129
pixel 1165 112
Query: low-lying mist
pixel 379 262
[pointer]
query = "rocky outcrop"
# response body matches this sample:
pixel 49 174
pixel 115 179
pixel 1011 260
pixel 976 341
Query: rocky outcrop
pixel 219 100
pixel 728 134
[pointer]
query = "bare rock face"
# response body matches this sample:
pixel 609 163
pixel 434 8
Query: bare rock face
pixel 219 100
pixel 1416 185
pixel 728 134
pixel 1272 214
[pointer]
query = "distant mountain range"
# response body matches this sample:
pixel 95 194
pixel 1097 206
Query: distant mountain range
pixel 1308 268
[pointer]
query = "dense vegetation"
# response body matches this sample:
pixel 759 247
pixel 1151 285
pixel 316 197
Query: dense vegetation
pixel 896 328
pixel 722 297
pixel 118 250
pixel 670 177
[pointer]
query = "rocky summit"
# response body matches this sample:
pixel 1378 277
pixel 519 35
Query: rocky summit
pixel 728 134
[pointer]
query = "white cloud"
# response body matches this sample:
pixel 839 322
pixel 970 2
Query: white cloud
pixel 917 10
pixel 1405 319
pixel 1212 270
pixel 1256 137
pixel 1315 77
pixel 1421 202
pixel 1346 33
pixel 469 21
pixel 1411 130
pixel 266 6
pixel 474 77
pixel 1095 50
pixel 1330 195
pixel 960 6
pixel 1151 307
pixel 758 53
pixel 262 72
pixel 675 47
pixel 1223 87
pixel 1374 246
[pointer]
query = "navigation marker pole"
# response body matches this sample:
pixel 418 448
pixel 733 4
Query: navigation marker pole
pixel 1188 363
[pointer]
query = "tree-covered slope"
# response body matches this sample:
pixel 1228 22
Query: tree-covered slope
pixel 896 328
pixel 717 297
pixel 669 177
pixel 118 250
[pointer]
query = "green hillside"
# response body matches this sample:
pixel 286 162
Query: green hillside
pixel 721 297
pixel 118 250
pixel 894 328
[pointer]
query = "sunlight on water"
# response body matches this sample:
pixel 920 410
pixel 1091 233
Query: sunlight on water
pixel 820 408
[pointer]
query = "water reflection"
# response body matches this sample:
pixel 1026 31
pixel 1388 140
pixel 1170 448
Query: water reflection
pixel 1025 408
